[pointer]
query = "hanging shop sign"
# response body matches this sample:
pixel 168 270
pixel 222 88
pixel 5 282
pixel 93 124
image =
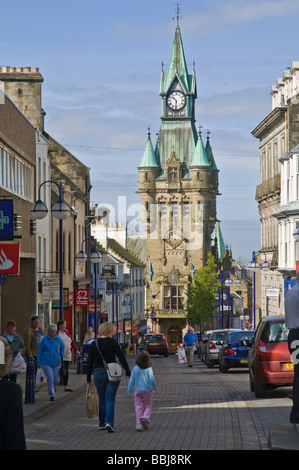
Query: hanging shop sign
pixel 9 258
pixel 6 219
pixel 82 297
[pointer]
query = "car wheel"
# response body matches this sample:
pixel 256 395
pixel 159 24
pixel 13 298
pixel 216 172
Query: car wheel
pixel 259 390
pixel 224 369
pixel 165 354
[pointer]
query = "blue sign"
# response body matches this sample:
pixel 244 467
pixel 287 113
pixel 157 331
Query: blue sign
pixel 6 219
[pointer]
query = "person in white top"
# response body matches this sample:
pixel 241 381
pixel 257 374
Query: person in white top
pixel 69 344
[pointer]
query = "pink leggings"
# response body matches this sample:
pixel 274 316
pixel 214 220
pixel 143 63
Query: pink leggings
pixel 143 406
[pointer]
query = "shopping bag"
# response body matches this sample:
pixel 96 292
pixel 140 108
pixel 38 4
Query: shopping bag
pixel 181 355
pixel 18 365
pixel 92 402
pixel 40 380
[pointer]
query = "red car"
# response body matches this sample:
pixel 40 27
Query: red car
pixel 156 344
pixel 269 359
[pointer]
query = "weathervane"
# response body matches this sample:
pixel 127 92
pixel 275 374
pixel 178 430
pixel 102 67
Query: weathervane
pixel 177 15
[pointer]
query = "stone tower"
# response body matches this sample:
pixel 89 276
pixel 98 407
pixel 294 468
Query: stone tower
pixel 23 86
pixel 178 183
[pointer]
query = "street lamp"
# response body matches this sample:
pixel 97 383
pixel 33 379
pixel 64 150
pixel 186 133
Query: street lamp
pixel 109 275
pixel 254 266
pixel 129 303
pixel 152 315
pixel 60 210
pixel 95 257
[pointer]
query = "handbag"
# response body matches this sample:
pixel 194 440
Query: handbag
pixel 114 371
pixel 18 365
pixel 91 403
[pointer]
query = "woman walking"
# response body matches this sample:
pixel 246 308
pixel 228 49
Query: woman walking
pixel 69 344
pixel 110 349
pixel 143 380
pixel 49 357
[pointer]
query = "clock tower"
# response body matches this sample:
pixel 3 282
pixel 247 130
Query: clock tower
pixel 178 183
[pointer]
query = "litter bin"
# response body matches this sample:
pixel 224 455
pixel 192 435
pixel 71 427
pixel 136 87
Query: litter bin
pixel 85 355
pixel 80 362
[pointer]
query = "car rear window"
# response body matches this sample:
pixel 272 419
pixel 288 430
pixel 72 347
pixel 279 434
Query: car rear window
pixel 241 336
pixel 275 332
pixel 218 336
pixel 153 337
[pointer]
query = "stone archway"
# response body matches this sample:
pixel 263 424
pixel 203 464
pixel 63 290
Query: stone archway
pixel 174 338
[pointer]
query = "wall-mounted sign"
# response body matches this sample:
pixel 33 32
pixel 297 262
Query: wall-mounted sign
pixel 9 258
pixel 82 297
pixel 51 288
pixel 6 219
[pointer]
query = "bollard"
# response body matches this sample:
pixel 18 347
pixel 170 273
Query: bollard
pixel 30 381
pixel 80 363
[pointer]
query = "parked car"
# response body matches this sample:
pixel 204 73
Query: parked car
pixel 202 343
pixel 212 347
pixel 234 351
pixel 269 359
pixel 156 344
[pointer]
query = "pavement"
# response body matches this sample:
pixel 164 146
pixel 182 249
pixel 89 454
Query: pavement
pixel 233 422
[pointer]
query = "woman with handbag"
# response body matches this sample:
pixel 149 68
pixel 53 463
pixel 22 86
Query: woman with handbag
pixel 16 344
pixel 104 350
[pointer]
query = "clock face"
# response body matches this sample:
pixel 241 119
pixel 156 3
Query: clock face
pixel 176 100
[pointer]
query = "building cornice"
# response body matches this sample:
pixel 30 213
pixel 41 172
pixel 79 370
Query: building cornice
pixel 269 121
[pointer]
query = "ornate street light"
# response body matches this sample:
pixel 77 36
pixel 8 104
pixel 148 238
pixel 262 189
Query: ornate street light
pixel 95 258
pixel 60 210
pixel 129 303
pixel 254 266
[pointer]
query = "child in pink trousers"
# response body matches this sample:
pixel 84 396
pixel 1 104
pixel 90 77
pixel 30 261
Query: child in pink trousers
pixel 143 380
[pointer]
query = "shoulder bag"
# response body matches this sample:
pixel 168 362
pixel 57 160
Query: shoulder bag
pixel 114 371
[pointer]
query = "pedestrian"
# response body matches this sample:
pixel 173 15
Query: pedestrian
pixel 69 344
pixel 32 339
pixel 292 322
pixel 143 381
pixel 190 340
pixel 12 436
pixel 16 344
pixel 107 390
pixel 89 335
pixel 50 354
pixel 140 343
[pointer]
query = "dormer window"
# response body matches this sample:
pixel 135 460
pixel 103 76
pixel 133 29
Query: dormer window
pixel 173 175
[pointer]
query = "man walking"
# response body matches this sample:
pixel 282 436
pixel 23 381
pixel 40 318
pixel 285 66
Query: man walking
pixel 190 340
pixel 292 322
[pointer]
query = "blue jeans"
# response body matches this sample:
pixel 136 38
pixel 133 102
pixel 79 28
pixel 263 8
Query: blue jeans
pixel 107 394
pixel 52 374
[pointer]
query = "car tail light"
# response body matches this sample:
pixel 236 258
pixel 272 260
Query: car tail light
pixel 261 349
pixel 229 351
pixel 212 345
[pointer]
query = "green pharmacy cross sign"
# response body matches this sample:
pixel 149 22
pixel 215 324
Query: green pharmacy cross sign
pixel 6 219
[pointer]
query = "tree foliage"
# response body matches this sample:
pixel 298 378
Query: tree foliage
pixel 202 293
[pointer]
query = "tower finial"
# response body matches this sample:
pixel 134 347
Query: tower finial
pixel 177 15
pixel 208 135
pixel 149 132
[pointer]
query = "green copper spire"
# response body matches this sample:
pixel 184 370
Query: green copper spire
pixel 217 234
pixel 199 157
pixel 149 157
pixel 210 153
pixel 177 67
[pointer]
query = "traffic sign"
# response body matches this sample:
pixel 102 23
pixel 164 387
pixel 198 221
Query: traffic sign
pixel 9 258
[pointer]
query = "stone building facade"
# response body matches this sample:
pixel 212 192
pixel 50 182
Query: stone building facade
pixel 278 134
pixel 178 184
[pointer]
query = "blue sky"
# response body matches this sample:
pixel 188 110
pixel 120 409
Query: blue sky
pixel 101 63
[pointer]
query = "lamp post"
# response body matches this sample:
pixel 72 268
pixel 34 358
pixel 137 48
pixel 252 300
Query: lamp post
pixel 95 258
pixel 152 316
pixel 129 303
pixel 109 275
pixel 60 210
pixel 254 266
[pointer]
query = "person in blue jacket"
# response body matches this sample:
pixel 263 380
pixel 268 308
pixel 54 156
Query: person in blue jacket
pixel 143 381
pixel 49 357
